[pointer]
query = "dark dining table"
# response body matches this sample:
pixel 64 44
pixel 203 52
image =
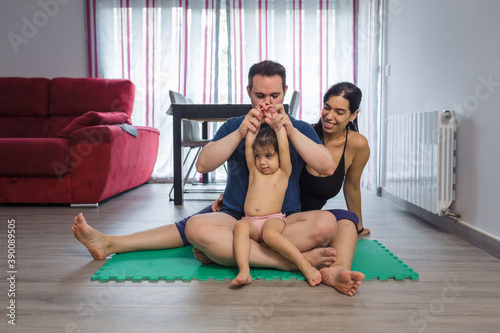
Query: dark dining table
pixel 200 112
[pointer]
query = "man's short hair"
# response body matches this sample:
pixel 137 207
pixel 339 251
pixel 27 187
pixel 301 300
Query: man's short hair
pixel 267 68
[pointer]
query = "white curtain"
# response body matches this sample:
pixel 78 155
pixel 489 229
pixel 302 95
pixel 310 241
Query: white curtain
pixel 367 67
pixel 204 48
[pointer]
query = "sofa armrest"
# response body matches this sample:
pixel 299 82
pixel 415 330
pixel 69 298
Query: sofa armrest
pixel 105 160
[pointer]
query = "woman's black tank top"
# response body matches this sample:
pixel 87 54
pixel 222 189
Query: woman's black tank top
pixel 315 191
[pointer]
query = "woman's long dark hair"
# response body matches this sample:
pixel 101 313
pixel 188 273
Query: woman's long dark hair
pixel 353 95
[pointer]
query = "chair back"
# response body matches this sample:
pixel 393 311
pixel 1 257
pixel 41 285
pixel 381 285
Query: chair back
pixel 294 103
pixel 176 98
pixel 191 129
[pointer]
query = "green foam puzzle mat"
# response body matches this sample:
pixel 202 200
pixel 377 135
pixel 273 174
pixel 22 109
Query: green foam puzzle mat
pixel 377 262
pixel 371 258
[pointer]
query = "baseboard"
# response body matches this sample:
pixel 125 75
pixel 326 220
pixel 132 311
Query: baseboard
pixel 480 240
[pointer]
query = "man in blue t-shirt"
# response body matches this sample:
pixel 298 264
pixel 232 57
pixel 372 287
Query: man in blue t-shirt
pixel 212 233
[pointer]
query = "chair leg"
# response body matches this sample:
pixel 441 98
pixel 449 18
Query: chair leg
pixel 170 194
pixel 187 155
pixel 191 166
pixel 187 175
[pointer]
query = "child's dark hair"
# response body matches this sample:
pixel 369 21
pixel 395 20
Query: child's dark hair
pixel 266 137
pixel 350 92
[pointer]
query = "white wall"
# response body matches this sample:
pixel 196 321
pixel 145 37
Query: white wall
pixel 441 56
pixel 48 38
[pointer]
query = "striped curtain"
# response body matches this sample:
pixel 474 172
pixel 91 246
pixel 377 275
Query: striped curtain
pixel 368 63
pixel 204 48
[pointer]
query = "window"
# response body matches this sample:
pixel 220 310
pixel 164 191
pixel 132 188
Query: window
pixel 204 48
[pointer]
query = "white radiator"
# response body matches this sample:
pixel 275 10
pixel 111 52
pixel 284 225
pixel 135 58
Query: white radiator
pixel 420 159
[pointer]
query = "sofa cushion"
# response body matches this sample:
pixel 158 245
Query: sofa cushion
pixel 21 127
pixel 34 157
pixel 54 125
pixel 24 106
pixel 74 97
pixel 93 118
pixel 24 97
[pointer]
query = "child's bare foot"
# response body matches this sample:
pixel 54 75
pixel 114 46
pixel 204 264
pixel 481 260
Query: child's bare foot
pixel 345 281
pixel 321 257
pixel 241 279
pixel 93 240
pixel 312 275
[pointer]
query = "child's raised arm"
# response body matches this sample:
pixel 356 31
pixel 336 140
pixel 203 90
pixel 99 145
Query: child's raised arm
pixel 284 151
pixel 249 154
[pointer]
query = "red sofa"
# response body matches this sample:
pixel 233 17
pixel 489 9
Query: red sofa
pixel 59 142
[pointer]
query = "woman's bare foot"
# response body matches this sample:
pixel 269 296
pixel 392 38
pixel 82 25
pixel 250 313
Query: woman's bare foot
pixel 241 279
pixel 343 280
pixel 312 275
pixel 93 240
pixel 321 257
pixel 363 231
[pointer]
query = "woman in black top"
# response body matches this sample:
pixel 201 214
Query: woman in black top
pixel 337 123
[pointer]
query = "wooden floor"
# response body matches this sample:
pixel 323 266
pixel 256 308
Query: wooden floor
pixel 458 290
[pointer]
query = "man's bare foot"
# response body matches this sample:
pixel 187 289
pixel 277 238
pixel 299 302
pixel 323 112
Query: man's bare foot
pixel 241 279
pixel 321 257
pixel 93 240
pixel 201 257
pixel 312 275
pixel 345 281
